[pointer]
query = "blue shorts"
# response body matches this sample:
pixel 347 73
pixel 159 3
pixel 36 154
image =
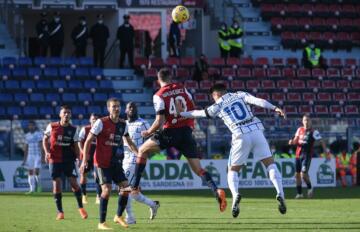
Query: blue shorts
pixel 114 173
pixel 65 168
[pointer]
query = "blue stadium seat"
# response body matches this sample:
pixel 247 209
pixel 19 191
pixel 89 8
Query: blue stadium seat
pixel 20 72
pixel 85 97
pixel 82 72
pixel 59 84
pixel 86 61
pixel 64 71
pixel 55 61
pixel 69 97
pixel 6 97
pixel 25 61
pixel 18 97
pixel 27 84
pixel 40 61
pixel 96 72
pixel 70 61
pixel 37 97
pixel 34 71
pixel 116 95
pixel 6 61
pixel 30 111
pixel 5 71
pixel 51 72
pixel 90 84
pixel 74 84
pixel 100 97
pixel 12 84
pixel 79 110
pixel 76 122
pixel 43 110
pixel 2 112
pixel 94 109
pixel 105 110
pixel 43 84
pixel 52 97
pixel 106 84
pixel 14 110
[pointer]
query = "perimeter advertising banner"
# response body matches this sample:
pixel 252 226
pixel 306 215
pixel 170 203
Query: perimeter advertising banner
pixel 177 174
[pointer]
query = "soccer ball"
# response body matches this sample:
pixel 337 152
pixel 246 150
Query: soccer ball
pixel 180 14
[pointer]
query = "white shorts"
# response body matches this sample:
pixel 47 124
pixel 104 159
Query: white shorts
pixel 33 162
pixel 242 144
pixel 129 170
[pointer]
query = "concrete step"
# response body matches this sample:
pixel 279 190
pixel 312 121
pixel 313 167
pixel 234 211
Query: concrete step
pixel 118 72
pixel 133 84
pixel 138 97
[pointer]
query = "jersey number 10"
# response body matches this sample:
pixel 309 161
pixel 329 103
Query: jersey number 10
pixel 236 111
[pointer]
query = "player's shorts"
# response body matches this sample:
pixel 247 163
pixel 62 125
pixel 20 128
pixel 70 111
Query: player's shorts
pixel 113 173
pixel 302 164
pixel 129 170
pixel 33 162
pixel 180 138
pixel 89 166
pixel 67 169
pixel 242 144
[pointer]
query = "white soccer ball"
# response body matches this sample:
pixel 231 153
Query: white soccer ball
pixel 180 14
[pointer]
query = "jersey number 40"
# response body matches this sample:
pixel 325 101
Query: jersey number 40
pixel 172 106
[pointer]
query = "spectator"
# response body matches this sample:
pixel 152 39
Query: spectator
pixel 201 69
pixel 235 40
pixel 312 57
pixel 174 39
pixel 79 36
pixel 99 34
pixel 223 40
pixel 125 35
pixel 346 164
pixel 42 31
pixel 56 40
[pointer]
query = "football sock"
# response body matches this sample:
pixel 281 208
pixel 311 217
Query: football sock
pixel 143 199
pixel 37 180
pixel 58 202
pixel 233 182
pixel 139 169
pixel 83 189
pixel 98 189
pixel 206 177
pixel 276 179
pixel 308 184
pixel 31 180
pixel 103 209
pixel 128 209
pixel 298 189
pixel 122 202
pixel 77 195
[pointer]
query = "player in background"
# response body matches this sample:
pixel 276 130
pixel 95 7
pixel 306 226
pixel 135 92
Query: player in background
pixel 61 151
pixel 135 126
pixel 247 136
pixel 305 138
pixel 90 165
pixel 177 132
pixel 33 156
pixel 109 133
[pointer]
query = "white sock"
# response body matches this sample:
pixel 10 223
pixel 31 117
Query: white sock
pixel 233 182
pixel 128 209
pixel 142 199
pixel 276 179
pixel 31 180
pixel 37 180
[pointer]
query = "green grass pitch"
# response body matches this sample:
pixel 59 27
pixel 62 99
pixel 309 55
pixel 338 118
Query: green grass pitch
pixel 332 209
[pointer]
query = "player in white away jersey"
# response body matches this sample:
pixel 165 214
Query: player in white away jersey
pixel 247 136
pixel 135 126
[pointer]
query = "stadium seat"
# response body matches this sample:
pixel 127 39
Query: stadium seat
pixel 265 96
pixel 278 97
pixel 94 109
pixel 50 97
pixel 30 111
pixel 27 84
pixel 350 62
pixel 187 61
pixel 336 109
pixel 278 62
pixel 338 96
pixel 341 84
pixel 100 97
pixel 69 97
pixel 333 73
pixel 34 71
pixel 46 110
pixel 106 84
pixel 273 72
pixel 353 96
pixel 156 62
pixel 77 110
pixel 59 84
pixel 6 97
pixel 292 61
pixel 75 84
pixel 237 85
pixel 43 84
pixel 283 84
pixel 290 110
pixel 294 97
pixel 262 62
pixel 96 72
pixel 65 71
pixel 182 73
pixel 307 97
pixel 321 110
pixel 253 84
pixel 13 110
pixel 88 84
pixel 312 84
pixel 231 61
pixel 303 73
pixel 318 72
pixel 9 61
pixel 151 72
pixel 139 61
pixel 336 62
pixel 10 84
pixel 223 82
pixel 5 71
pixel 37 97
pixel 205 84
pixel 268 84
pixel 259 72
pixel 18 97
pixel 259 111
pixel 25 61
pixel 19 72
pixel 201 97
pixel 82 72
pixel 189 84
pixel 51 72
pixel 217 61
pixel 347 72
pixel 84 97
pixel 298 84
pixel 305 109
pixel 228 72
pixel 116 95
pixel 288 73
pixel 244 73
pixel 55 61
pixel 171 61
pixel 39 61
pixel 324 97
pixel 328 84
pixel 246 62
pixel 86 61
pixel 69 61
pixel 355 84
pixel 351 110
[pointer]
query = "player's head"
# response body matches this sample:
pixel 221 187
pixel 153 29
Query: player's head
pixel 217 91
pixel 31 126
pixel 65 113
pixel 131 111
pixel 113 106
pixel 306 121
pixel 93 118
pixel 164 76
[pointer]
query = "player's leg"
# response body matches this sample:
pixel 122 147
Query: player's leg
pixel 298 180
pixel 31 181
pixel 233 183
pixel 37 166
pixel 305 176
pixel 105 178
pixel 56 171
pixel 97 187
pixel 149 147
pixel 71 174
pixel 120 179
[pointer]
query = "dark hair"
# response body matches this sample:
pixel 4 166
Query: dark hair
pixel 94 115
pixel 164 74
pixel 218 88
pixel 65 107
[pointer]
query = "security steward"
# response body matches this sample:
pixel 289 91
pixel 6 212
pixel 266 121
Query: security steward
pixel 80 35
pixel 99 34
pixel 223 40
pixel 235 40
pixel 125 34
pixel 56 39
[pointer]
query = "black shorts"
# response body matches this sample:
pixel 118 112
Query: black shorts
pixel 180 138
pixel 65 168
pixel 113 173
pixel 89 166
pixel 302 164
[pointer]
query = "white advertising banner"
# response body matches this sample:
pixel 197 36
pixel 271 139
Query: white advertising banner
pixel 177 174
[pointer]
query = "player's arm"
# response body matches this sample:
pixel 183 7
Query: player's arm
pixel 318 137
pixel 45 142
pixel 263 104
pixel 130 144
pixel 157 124
pixel 294 141
pixel 82 138
pixel 26 147
pixel 86 150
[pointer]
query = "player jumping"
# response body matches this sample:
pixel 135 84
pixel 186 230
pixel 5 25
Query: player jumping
pixel 61 155
pixel 177 132
pixel 247 136
pixel 135 126
pixel 109 133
